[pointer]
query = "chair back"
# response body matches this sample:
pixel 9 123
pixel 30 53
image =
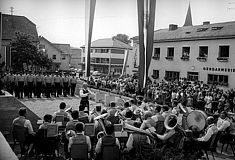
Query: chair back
pixel 89 129
pixel 213 141
pixel 117 127
pixel 79 151
pixel 83 119
pixel 52 130
pixel 19 133
pixel 59 119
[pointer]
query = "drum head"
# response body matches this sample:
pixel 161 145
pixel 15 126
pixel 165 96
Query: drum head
pixel 197 118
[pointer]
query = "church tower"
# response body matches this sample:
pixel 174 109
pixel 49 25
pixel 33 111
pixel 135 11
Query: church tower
pixel 188 19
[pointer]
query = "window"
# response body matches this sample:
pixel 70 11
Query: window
pixel 203 51
pixel 53 56
pixel 218 79
pixel 83 59
pixel 156 52
pixel 63 57
pixel 201 29
pixel 185 51
pixel 224 51
pixel 193 76
pixel 92 60
pixel 216 28
pixel 155 74
pixel 170 52
pixel 172 75
pixel 42 46
pixel 117 51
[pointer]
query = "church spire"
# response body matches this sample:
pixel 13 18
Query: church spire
pixel 188 19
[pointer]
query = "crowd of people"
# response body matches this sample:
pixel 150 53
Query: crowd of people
pixel 37 85
pixel 155 122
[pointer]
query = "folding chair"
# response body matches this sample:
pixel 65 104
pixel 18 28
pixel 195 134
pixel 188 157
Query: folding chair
pixel 211 146
pixel 83 119
pixel 19 135
pixel 79 151
pixel 89 129
pixel 117 127
pixel 60 121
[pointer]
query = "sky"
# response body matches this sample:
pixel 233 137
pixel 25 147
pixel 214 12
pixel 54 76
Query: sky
pixel 63 21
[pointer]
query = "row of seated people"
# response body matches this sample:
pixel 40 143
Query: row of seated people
pixel 131 118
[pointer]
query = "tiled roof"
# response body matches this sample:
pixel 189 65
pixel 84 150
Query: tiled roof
pixel 43 38
pixel 210 31
pixel 64 48
pixel 109 43
pixel 12 24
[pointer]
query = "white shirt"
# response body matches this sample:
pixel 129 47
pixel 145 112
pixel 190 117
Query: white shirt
pixel 222 124
pixel 210 131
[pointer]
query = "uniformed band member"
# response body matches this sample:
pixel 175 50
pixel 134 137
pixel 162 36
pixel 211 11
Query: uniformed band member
pixel 57 82
pixel 65 85
pixel 21 84
pixel 39 81
pixel 11 83
pixel 84 93
pixel 30 82
pixel 48 84
pixel 73 82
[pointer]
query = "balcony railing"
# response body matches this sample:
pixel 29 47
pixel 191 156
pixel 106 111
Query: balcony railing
pixel 202 59
pixel 169 58
pixel 185 58
pixel 222 59
pixel 156 57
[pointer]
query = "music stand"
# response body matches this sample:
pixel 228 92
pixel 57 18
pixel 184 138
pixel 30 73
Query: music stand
pixel 89 129
pixel 117 127
pixel 52 130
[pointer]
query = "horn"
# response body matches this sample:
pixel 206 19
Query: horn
pixel 100 134
pixel 101 116
pixel 129 128
pixel 170 122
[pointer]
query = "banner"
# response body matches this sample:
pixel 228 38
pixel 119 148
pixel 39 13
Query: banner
pixel 146 19
pixel 89 18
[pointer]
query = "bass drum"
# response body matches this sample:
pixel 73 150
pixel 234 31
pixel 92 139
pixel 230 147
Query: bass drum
pixel 197 118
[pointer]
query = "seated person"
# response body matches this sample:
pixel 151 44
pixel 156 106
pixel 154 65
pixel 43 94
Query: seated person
pixel 62 111
pixel 83 117
pixel 165 111
pixel 111 114
pixel 96 112
pixel 223 122
pixel 210 130
pixel 98 126
pixel 72 124
pixel 80 138
pixel 128 116
pixel 126 106
pixel 22 121
pixel 148 122
pixel 47 120
pixel 136 142
pixel 158 117
pixel 106 142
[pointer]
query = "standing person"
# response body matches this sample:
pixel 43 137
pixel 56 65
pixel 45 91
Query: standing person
pixel 84 93
pixel 11 80
pixel 73 82
pixel 65 81
pixel 39 81
pixel 48 83
pixel 30 81
pixel 21 83
pixel 26 88
pixel 57 82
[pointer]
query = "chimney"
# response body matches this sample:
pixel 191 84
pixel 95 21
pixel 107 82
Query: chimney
pixel 173 27
pixel 206 23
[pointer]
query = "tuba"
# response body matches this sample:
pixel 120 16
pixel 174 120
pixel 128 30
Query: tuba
pixel 171 122
pixel 100 120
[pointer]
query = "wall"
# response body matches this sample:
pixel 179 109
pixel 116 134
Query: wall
pixel 193 65
pixel 65 61
pixel 76 58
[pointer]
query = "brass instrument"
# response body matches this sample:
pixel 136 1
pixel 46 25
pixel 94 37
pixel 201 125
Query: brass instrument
pixel 100 120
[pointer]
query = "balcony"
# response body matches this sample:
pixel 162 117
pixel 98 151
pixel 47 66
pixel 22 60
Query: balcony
pixel 170 58
pixel 222 59
pixel 185 58
pixel 156 57
pixel 202 59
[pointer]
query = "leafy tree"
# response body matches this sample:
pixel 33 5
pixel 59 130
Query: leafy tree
pixel 25 53
pixel 123 38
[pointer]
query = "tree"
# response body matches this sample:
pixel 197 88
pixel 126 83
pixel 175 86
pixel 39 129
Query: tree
pixel 123 38
pixel 25 53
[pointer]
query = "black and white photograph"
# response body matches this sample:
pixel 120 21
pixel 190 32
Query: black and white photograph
pixel 117 79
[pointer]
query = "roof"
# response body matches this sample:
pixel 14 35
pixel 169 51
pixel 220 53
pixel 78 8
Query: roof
pixel 109 43
pixel 209 31
pixel 12 24
pixel 64 48
pixel 43 38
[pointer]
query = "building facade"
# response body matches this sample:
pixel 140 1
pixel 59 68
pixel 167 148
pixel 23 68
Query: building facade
pixel 107 56
pixel 52 52
pixel 10 25
pixel 76 56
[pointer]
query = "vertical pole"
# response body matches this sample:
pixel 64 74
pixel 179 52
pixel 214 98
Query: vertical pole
pixel 89 18
pixel 0 31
